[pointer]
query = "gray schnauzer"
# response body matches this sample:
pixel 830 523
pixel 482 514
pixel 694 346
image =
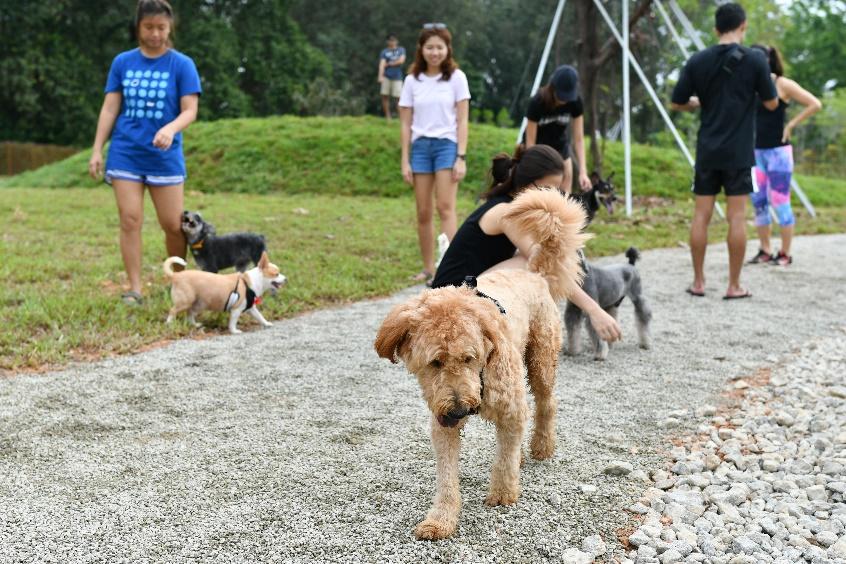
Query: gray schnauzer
pixel 609 286
pixel 214 252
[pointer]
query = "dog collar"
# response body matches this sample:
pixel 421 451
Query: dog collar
pixel 198 245
pixel 470 282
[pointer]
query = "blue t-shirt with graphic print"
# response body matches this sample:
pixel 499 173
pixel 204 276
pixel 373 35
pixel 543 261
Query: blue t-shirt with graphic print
pixel 391 56
pixel 151 90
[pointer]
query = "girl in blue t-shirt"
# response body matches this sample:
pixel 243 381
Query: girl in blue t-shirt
pixel 152 94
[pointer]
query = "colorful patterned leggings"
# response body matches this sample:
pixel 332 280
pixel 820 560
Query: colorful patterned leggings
pixel 773 170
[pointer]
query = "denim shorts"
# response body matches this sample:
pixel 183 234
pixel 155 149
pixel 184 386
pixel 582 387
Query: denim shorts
pixel 429 154
pixel 149 180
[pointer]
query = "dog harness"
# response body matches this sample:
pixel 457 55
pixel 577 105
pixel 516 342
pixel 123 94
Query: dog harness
pixel 234 296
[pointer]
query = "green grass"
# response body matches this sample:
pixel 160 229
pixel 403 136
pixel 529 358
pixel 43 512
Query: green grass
pixel 62 271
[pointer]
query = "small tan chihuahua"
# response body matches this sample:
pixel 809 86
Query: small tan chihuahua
pixel 195 290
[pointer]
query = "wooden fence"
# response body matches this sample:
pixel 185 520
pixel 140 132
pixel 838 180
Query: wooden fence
pixel 18 157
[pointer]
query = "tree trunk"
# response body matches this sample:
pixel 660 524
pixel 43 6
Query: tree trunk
pixel 592 57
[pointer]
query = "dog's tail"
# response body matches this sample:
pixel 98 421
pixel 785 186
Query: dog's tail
pixel 555 223
pixel 167 266
pixel 632 254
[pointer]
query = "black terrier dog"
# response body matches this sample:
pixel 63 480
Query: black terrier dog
pixel 601 193
pixel 213 253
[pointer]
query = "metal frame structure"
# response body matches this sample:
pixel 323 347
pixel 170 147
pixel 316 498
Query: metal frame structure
pixel 628 59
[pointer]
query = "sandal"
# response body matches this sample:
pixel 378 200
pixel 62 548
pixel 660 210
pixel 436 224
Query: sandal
pixel 422 276
pixel 131 298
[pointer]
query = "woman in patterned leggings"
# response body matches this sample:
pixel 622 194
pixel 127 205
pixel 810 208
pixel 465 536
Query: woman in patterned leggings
pixel 774 160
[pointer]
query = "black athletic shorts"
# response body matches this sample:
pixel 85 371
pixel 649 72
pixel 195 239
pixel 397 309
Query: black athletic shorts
pixel 737 182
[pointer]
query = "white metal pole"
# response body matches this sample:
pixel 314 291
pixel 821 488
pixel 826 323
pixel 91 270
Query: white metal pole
pixel 658 105
pixel 645 81
pixel 688 28
pixel 669 23
pixel 556 19
pixel 627 129
pixel 803 198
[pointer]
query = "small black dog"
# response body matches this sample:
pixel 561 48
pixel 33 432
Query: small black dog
pixel 608 286
pixel 213 253
pixel 601 192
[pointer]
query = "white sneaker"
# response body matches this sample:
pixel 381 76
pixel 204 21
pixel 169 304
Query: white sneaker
pixel 443 245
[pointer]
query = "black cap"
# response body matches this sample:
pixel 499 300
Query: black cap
pixel 565 82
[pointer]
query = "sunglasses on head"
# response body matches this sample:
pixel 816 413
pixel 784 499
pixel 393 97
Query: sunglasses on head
pixel 434 25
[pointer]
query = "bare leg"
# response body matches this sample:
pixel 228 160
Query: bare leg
pixel 736 216
pixel 130 202
pixel 446 192
pixel 786 238
pixel 169 203
pixel 386 107
pixel 423 193
pixel 699 239
pixel 442 517
pixel 567 183
pixel 764 233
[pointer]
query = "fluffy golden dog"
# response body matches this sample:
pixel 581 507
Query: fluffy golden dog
pixel 470 349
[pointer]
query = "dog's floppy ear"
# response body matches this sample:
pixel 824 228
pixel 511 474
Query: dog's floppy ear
pixel 394 330
pixel 263 261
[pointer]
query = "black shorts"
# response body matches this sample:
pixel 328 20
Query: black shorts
pixel 737 182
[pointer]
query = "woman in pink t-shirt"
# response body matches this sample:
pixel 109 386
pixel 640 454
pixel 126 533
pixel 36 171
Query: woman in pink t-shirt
pixel 433 108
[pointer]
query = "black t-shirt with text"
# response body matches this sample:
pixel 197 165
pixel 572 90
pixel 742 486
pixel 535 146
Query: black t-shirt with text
pixel 729 101
pixel 553 123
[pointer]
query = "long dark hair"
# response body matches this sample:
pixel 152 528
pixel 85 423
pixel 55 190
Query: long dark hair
pixel 447 66
pixel 773 58
pixel 511 174
pixel 547 94
pixel 147 8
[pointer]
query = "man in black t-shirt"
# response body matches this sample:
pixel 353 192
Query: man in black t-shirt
pixel 725 81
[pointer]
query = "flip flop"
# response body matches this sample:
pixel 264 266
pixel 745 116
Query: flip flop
pixel 131 298
pixel 745 294
pixel 693 292
pixel 422 276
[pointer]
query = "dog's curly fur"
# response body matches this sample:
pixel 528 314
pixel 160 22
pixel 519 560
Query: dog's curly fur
pixel 470 358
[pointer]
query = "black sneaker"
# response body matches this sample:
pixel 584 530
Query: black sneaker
pixel 781 259
pixel 761 257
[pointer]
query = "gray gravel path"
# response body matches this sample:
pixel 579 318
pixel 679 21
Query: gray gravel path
pixel 298 444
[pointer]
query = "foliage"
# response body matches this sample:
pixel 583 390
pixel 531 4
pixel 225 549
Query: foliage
pixel 354 240
pixel 251 56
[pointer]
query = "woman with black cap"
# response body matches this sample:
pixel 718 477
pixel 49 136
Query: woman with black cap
pixel 554 111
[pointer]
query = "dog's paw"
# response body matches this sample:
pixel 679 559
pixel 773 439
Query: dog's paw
pixel 541 448
pixel 235 331
pixel 502 497
pixel 267 324
pixel 429 529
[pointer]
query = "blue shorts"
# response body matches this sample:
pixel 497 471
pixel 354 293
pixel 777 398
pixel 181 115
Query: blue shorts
pixel 149 180
pixel 429 154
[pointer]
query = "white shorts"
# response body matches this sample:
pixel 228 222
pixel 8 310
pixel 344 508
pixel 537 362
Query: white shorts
pixel 147 179
pixel 391 88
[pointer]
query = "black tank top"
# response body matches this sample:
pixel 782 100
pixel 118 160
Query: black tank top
pixel 769 126
pixel 472 251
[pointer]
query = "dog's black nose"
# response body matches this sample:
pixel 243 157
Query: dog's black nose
pixel 458 413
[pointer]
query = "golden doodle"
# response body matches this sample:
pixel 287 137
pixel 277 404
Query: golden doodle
pixel 471 349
